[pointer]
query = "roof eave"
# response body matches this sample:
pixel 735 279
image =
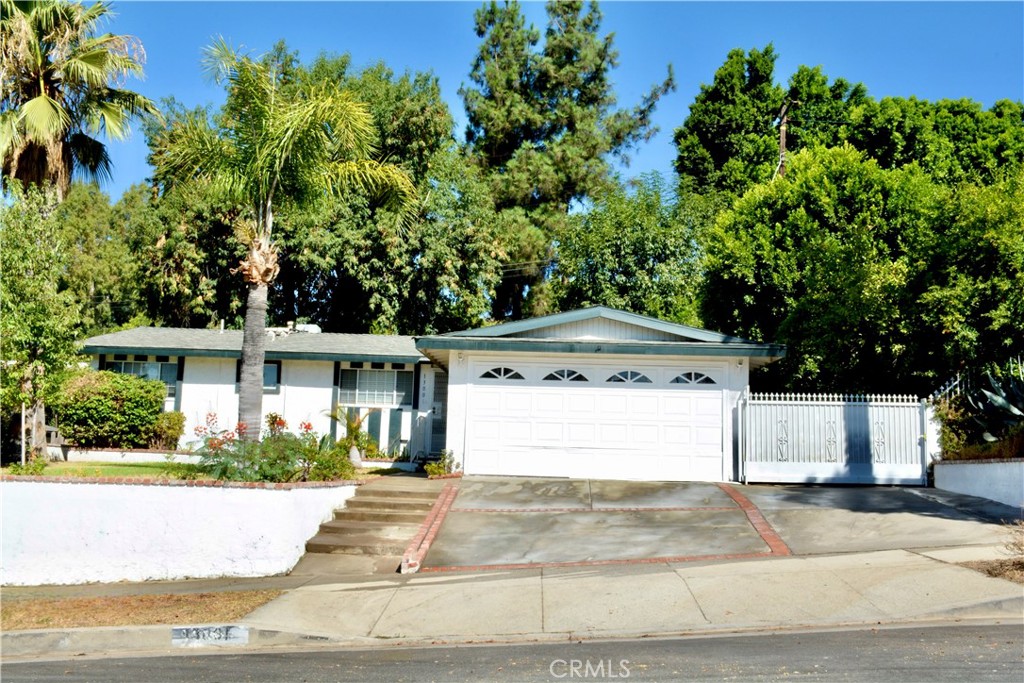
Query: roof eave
pixel 744 349
pixel 532 324
pixel 152 350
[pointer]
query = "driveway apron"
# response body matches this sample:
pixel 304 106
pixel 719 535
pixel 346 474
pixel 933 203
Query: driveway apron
pixel 512 522
pixel 504 521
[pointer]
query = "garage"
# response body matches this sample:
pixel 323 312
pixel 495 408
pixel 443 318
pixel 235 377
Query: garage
pixel 595 393
pixel 541 419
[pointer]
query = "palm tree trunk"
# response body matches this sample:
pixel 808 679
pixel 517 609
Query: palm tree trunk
pixel 254 338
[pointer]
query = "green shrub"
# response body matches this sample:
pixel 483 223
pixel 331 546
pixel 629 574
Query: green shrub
pixel 279 457
pixel 167 430
pixel 34 467
pixel 445 465
pixel 109 410
pixel 954 416
pixel 1010 446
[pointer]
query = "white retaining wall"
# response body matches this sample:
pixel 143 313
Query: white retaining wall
pixel 998 480
pixel 72 533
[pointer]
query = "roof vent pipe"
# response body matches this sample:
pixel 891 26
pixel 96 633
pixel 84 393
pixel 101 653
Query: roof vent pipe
pixel 222 325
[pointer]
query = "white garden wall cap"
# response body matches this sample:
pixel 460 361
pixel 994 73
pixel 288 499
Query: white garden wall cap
pixel 977 461
pixel 178 341
pixel 187 483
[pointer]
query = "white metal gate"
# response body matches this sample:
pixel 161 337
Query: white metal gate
pixel 804 438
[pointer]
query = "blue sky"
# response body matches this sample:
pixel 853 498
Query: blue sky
pixel 931 50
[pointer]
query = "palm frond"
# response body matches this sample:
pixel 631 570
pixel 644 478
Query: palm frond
pixel 42 118
pixel 90 156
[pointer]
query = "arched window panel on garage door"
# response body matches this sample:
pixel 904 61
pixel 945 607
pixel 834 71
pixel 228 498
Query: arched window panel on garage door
pixel 565 375
pixel 693 377
pixel 501 373
pixel 630 377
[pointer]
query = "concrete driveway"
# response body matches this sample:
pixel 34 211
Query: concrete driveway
pixel 513 522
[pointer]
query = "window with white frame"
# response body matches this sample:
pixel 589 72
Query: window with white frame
pixel 163 371
pixel 375 387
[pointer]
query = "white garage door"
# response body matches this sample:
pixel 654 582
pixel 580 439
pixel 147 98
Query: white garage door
pixel 608 421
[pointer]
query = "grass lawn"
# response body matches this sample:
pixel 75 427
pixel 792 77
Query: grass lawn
pixel 131 610
pixel 154 470
pixel 158 470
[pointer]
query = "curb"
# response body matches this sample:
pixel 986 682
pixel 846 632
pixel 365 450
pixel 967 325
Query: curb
pixel 421 542
pixel 160 640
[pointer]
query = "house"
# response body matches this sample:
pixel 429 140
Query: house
pixel 595 393
pixel 306 375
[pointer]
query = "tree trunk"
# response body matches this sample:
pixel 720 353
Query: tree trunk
pixel 38 413
pixel 254 339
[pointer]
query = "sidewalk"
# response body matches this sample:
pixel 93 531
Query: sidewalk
pixel 657 599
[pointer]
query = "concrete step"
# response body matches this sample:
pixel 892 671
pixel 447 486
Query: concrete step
pixel 355 527
pixel 393 504
pixel 394 492
pixel 355 544
pixel 385 516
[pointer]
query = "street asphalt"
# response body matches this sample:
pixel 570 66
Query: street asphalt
pixel 614 560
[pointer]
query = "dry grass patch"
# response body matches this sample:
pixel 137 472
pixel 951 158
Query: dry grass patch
pixel 131 610
pixel 1011 570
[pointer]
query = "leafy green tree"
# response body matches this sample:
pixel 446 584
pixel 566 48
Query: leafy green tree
pixel 970 312
pixel 543 128
pixel 955 141
pixel 39 323
pixel 346 265
pixel 61 80
pixel 266 146
pixel 103 275
pixel 729 141
pixel 820 112
pixel 821 260
pixel 632 252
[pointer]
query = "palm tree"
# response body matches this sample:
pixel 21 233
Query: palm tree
pixel 59 80
pixel 271 143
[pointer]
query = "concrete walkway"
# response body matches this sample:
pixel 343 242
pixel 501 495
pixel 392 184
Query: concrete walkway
pixel 859 558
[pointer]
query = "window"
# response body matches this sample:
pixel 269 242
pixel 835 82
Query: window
pixel 630 376
pixel 692 378
pixel 164 372
pixel 271 375
pixel 501 373
pixel 375 387
pixel 565 376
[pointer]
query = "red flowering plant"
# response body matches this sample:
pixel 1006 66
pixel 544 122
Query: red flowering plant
pixel 279 457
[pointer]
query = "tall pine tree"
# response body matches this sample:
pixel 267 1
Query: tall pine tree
pixel 544 128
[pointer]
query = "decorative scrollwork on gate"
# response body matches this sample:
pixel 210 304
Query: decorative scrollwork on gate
pixel 782 440
pixel 878 441
pixel 831 441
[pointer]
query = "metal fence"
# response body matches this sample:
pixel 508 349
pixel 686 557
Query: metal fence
pixel 824 438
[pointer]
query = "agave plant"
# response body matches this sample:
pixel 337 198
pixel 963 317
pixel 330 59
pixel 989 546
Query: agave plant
pixel 1002 408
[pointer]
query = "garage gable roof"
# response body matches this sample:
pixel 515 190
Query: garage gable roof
pixel 177 341
pixel 559 323
pixel 598 330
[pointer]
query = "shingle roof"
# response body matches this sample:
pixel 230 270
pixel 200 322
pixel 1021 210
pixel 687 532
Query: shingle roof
pixel 177 341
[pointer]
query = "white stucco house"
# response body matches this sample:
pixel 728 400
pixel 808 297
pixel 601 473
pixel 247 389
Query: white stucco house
pixel 307 374
pixel 595 393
